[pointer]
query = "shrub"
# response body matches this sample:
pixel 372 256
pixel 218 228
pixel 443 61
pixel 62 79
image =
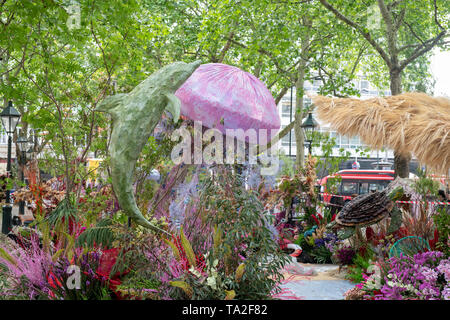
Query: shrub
pixel 442 222
pixel 241 256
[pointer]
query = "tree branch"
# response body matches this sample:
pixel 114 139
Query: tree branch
pixel 413 33
pixel 226 47
pixel 358 28
pixel 265 52
pixel 391 31
pixel 435 17
pixel 422 49
pixel 278 137
pixel 280 95
pixel 399 19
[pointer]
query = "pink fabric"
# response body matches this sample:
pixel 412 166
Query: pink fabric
pixel 225 97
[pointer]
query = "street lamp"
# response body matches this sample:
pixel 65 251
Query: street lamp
pixel 10 117
pixel 32 142
pixel 22 143
pixel 309 125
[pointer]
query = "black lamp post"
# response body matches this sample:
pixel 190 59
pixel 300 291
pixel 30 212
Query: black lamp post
pixel 10 117
pixel 22 142
pixel 309 125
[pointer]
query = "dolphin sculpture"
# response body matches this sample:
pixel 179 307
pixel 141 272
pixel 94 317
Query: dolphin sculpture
pixel 134 116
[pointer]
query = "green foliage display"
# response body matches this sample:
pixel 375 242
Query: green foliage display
pixel 425 185
pixel 244 232
pixel 63 214
pixel 321 254
pixel 100 235
pixel 442 222
pixel 361 262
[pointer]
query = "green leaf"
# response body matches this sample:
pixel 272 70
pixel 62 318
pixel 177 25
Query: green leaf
pixel 188 249
pixel 5 255
pixel 184 286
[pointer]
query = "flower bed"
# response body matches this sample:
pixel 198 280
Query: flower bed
pixel 424 276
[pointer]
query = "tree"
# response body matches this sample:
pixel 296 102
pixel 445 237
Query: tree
pixel 57 72
pixel 407 31
pixel 285 44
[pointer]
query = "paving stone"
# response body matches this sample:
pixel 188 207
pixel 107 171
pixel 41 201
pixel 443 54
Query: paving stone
pixel 318 290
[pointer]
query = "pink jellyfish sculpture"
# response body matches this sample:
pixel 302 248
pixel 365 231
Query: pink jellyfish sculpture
pixel 225 97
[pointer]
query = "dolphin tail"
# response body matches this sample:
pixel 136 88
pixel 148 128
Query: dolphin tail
pixel 128 204
pixel 110 103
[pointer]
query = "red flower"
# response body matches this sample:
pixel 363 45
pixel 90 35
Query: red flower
pixel 435 239
pixel 315 219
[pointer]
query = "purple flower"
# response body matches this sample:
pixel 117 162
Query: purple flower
pixel 416 277
pixel 345 255
pixel 446 293
pixel 319 242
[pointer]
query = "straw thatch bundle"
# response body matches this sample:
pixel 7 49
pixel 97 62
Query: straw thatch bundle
pixel 408 123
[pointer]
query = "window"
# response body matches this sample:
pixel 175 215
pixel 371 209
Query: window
pixel 307 102
pixel 285 139
pixel 354 142
pixel 363 187
pixel 333 134
pixel 364 85
pixel 344 142
pixel 286 109
pixel 3 136
pixel 349 188
pixel 377 186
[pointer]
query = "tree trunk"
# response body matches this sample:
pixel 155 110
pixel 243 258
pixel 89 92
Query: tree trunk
pixel 401 165
pixel 396 81
pixel 401 161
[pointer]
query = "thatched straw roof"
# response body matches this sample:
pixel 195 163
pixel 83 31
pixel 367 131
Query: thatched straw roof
pixel 408 123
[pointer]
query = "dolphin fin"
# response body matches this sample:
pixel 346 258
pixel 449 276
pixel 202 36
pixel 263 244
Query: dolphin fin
pixel 109 103
pixel 173 106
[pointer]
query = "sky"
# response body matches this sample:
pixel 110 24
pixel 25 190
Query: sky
pixel 440 69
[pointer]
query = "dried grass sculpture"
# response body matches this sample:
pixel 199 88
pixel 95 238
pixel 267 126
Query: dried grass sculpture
pixel 408 123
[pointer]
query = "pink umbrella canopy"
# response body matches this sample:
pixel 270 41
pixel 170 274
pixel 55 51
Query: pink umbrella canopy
pixel 225 97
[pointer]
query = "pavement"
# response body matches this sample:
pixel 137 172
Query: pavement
pixel 314 282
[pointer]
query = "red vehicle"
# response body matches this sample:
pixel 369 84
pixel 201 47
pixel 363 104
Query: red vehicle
pixel 353 183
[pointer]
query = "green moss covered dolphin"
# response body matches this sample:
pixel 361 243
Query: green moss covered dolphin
pixel 134 116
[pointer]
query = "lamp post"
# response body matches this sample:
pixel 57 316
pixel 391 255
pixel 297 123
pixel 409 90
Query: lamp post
pixel 10 117
pixel 309 126
pixel 22 142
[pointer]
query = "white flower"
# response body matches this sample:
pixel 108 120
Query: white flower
pixel 211 281
pixel 195 272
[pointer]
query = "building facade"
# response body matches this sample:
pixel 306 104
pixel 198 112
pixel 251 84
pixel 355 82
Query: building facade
pixel 344 144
